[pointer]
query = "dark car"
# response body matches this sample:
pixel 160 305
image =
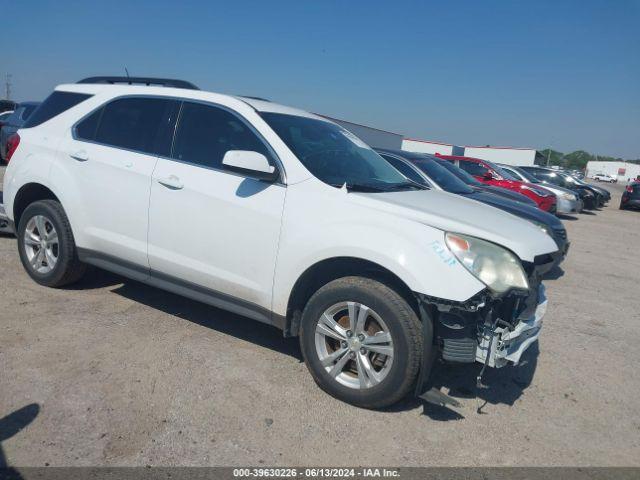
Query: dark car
pixel 7 106
pixel 435 172
pixel 606 194
pixel 476 184
pixel 14 122
pixel 631 196
pixel 590 197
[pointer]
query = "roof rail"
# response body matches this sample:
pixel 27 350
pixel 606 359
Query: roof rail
pixel 165 82
pixel 255 98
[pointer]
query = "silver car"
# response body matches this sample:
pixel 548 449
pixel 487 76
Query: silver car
pixel 567 201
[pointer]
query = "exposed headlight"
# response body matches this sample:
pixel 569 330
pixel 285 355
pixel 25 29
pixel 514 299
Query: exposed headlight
pixel 568 196
pixel 493 265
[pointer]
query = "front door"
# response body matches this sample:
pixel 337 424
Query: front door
pixel 215 230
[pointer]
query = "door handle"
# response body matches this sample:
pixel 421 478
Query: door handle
pixel 171 182
pixel 80 156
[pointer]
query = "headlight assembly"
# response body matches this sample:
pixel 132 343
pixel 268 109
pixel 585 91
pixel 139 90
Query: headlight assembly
pixel 568 196
pixel 493 265
pixel 543 227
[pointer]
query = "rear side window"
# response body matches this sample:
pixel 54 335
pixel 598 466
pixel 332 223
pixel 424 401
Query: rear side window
pixel 473 168
pixel 54 105
pixel 135 123
pixel 205 133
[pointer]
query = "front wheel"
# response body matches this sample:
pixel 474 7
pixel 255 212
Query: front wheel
pixel 361 341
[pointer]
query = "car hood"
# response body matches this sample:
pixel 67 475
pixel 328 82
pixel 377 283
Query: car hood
pixel 503 192
pixel 555 188
pixel 516 208
pixel 453 213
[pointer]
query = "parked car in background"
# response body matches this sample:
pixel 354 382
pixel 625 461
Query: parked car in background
pixel 14 122
pixel 489 173
pixel 577 174
pixel 292 221
pixel 589 196
pixel 4 116
pixel 7 106
pixel 605 195
pixel 435 172
pixel 568 201
pixel 631 197
pixel 604 177
pixel 479 186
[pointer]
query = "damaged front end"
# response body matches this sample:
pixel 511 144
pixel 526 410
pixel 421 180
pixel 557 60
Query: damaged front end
pixel 491 329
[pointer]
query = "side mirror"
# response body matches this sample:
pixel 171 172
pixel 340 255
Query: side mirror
pixel 488 176
pixel 250 163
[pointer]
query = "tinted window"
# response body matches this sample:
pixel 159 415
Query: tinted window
pixel 334 155
pixel 441 176
pixel 206 133
pixel 458 172
pixel 27 111
pixel 473 168
pixel 405 169
pixel 134 123
pixel 86 129
pixel 55 104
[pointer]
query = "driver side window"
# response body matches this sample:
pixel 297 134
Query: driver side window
pixel 205 133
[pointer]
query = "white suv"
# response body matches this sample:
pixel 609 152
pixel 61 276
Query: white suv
pixel 604 177
pixel 281 216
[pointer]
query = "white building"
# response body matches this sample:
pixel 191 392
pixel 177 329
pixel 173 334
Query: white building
pixel 374 137
pixel 623 171
pixel 506 155
pixel 424 146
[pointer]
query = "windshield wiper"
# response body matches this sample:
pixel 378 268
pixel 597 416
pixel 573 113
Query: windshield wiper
pixel 408 184
pixel 359 187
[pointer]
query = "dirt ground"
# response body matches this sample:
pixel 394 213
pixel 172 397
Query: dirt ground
pixel 112 372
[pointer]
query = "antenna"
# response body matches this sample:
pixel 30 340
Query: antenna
pixel 126 71
pixel 7 86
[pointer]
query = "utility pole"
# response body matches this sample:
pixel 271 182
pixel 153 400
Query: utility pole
pixel 548 155
pixel 7 87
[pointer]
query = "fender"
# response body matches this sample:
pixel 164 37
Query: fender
pixel 414 252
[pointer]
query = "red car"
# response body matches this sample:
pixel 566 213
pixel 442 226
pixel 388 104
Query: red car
pixel 491 174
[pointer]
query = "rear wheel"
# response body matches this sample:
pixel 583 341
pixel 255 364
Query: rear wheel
pixel 361 341
pixel 46 245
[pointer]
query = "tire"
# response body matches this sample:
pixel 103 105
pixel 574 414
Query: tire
pixel 55 264
pixel 389 316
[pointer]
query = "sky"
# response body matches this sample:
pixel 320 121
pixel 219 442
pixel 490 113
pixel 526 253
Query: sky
pixel 564 74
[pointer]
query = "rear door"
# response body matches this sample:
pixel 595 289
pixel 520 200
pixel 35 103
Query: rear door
pixel 112 155
pixel 210 229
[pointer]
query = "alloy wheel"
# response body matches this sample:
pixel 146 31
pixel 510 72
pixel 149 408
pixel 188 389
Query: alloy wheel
pixel 354 345
pixel 41 244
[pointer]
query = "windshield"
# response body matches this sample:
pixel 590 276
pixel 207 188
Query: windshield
pixel 336 156
pixel 441 176
pixel 461 174
pixel 506 174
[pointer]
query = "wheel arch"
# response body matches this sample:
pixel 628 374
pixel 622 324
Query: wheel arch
pixel 27 194
pixel 329 269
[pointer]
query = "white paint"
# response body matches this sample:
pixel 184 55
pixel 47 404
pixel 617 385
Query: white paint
pixel 423 146
pixel 506 155
pixel 631 170
pixel 245 238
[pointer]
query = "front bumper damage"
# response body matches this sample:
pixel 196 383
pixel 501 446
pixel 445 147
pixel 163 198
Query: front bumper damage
pixel 494 330
pixel 508 345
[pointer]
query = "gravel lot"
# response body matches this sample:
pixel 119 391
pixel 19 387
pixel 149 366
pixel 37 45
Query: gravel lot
pixel 112 372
